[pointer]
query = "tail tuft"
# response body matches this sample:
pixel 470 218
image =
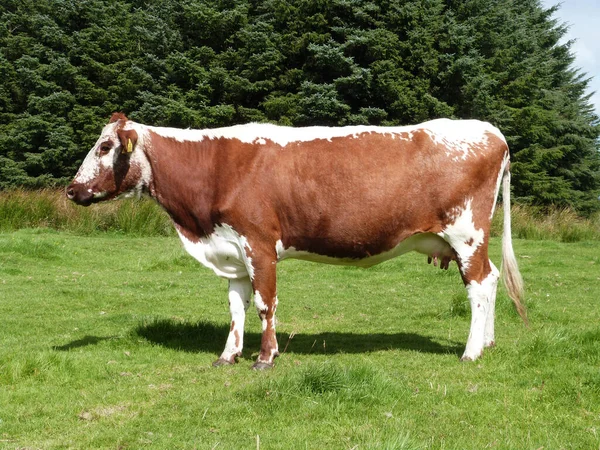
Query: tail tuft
pixel 511 277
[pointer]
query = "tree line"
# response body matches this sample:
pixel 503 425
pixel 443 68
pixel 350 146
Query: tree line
pixel 65 65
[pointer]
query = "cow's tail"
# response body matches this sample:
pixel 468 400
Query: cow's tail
pixel 511 277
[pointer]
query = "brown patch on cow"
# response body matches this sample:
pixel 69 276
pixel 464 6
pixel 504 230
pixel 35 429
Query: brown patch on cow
pixel 469 241
pixel 236 334
pixel 118 116
pixel 188 182
pixel 232 326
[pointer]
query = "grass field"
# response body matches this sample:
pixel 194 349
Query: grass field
pixel 107 342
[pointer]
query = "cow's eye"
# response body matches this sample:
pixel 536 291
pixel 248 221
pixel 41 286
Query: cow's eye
pixel 104 149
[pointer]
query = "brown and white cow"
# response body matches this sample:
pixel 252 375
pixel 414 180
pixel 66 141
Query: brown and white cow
pixel 244 197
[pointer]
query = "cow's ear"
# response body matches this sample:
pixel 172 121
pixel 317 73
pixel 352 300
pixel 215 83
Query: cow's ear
pixel 128 140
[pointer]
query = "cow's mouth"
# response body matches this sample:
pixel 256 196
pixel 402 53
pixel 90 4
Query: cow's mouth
pixel 83 196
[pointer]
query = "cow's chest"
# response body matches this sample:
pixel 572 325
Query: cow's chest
pixel 224 251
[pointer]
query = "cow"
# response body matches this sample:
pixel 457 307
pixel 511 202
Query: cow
pixel 244 197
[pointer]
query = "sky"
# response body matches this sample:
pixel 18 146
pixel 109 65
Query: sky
pixel 583 18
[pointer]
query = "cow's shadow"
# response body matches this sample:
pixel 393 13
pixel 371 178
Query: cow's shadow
pixel 209 337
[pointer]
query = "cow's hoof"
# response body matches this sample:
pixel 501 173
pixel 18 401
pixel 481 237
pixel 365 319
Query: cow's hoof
pixel 490 344
pixel 223 362
pixel 259 365
pixel 466 357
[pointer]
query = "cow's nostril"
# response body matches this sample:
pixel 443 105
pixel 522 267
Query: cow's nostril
pixel 70 193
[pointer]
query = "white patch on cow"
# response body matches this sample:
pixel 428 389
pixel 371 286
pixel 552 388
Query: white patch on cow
pixel 479 297
pixel 462 235
pixel 425 243
pixel 224 251
pixel 88 170
pixel 98 195
pixel 258 301
pixel 459 136
pixel 265 323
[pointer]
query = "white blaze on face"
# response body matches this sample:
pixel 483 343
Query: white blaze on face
pixel 94 161
pixel 462 235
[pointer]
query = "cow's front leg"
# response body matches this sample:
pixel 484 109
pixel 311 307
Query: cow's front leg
pixel 240 291
pixel 265 298
pixel 482 299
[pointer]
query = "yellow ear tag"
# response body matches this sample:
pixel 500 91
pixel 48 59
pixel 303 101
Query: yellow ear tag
pixel 129 146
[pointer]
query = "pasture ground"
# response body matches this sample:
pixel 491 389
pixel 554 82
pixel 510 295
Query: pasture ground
pixel 106 342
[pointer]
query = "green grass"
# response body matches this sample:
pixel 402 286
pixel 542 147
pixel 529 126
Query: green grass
pixel 107 342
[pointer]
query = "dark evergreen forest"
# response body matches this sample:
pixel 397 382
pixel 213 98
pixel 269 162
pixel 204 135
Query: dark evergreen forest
pixel 65 65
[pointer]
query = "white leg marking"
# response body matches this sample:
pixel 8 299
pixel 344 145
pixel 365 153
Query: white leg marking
pixel 258 301
pixel 240 291
pixel 479 298
pixel 489 333
pixel 261 307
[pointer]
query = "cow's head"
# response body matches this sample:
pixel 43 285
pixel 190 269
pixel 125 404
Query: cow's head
pixel 116 165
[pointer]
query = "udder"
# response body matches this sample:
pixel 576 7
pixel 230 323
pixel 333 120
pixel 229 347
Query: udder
pixel 436 249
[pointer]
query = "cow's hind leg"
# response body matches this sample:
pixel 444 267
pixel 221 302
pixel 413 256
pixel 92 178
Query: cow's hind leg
pixel 468 236
pixel 481 279
pixel 489 332
pixel 240 292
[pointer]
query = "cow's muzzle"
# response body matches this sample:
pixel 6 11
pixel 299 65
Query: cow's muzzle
pixel 80 194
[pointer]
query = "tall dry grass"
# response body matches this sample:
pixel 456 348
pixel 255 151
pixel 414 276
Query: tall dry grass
pixel 560 224
pixel 49 208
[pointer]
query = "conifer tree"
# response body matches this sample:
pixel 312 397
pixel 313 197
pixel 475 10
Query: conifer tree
pixel 65 66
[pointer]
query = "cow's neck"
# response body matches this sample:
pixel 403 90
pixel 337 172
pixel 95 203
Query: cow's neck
pixel 184 181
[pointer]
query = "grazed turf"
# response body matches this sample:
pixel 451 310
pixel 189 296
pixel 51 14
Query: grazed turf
pixel 107 342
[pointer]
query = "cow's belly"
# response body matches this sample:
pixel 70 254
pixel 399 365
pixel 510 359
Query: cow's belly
pixel 427 243
pixel 224 252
